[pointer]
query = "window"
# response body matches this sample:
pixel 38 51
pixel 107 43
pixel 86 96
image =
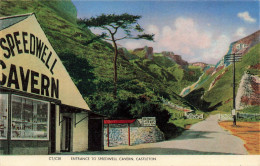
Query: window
pixel 3 115
pixel 30 119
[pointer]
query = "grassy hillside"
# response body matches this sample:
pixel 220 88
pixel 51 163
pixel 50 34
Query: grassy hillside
pixel 220 96
pixel 174 76
pixel 89 60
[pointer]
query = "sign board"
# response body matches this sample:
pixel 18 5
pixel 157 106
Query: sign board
pixel 233 112
pixel 29 63
pixel 148 121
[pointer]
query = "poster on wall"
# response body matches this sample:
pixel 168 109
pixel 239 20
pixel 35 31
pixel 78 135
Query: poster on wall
pixel 187 69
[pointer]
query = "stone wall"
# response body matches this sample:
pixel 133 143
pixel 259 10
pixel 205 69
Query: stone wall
pixel 138 135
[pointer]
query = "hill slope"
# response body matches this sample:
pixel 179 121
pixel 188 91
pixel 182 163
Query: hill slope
pixel 166 66
pixel 214 90
pixel 89 60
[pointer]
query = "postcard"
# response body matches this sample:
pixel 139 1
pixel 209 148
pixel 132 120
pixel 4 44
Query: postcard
pixel 129 82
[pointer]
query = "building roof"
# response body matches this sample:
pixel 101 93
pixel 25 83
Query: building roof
pixel 129 121
pixel 6 22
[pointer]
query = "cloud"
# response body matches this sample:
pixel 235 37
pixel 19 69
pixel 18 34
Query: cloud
pixel 184 36
pixel 133 45
pixel 240 32
pixel 153 29
pixel 246 17
pixel 97 31
pixel 217 50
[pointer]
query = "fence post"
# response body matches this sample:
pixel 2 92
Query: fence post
pixel 107 135
pixel 129 137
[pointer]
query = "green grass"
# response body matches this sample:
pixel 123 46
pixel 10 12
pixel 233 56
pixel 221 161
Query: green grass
pixel 253 119
pixel 183 122
pixel 252 109
pixel 174 77
pixel 215 95
pixel 180 121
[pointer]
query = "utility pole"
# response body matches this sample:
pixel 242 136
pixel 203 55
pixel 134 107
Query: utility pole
pixel 233 58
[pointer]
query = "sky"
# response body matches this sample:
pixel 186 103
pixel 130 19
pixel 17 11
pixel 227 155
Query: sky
pixel 199 31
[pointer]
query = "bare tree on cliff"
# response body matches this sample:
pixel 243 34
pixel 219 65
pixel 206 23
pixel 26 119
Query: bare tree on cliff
pixel 112 24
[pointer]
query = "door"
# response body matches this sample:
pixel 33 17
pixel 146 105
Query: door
pixel 95 139
pixel 53 128
pixel 66 134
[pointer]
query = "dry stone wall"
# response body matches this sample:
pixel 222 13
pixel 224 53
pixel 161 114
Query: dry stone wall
pixel 138 135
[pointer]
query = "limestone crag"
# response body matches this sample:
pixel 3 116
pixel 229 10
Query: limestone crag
pixel 177 58
pixel 200 64
pixel 216 79
pixel 245 43
pixel 248 93
pixel 240 46
pixel 148 52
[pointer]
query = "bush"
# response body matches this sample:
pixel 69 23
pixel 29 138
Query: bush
pixel 144 106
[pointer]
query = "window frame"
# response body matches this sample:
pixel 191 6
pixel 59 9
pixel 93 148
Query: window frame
pixel 48 120
pixel 7 117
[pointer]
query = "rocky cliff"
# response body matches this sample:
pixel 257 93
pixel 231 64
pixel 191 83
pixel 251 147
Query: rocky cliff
pixel 241 46
pixel 148 52
pixel 200 64
pixel 244 44
pixel 248 93
pixel 177 58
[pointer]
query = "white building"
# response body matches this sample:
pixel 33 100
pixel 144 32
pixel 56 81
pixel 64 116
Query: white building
pixel 41 109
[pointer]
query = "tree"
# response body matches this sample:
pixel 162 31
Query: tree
pixel 112 24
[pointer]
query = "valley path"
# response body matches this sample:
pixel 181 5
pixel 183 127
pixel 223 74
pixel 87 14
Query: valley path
pixel 205 137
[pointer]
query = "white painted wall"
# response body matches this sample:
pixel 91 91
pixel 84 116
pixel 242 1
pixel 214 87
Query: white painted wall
pixel 58 130
pixel 80 133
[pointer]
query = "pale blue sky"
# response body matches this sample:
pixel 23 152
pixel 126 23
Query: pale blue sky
pixel 197 30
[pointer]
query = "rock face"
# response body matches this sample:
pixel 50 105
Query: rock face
pixel 241 46
pixel 210 70
pixel 200 64
pixel 244 44
pixel 177 58
pixel 248 93
pixel 216 79
pixel 148 52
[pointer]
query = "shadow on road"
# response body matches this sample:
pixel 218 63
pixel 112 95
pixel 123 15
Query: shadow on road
pixel 191 134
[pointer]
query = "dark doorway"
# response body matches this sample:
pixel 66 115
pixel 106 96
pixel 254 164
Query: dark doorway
pixel 95 136
pixel 66 134
pixel 53 128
